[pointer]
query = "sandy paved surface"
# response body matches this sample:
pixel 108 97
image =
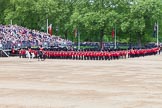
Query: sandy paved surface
pixel 128 83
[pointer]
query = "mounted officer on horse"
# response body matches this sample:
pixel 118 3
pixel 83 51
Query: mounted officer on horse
pixel 41 54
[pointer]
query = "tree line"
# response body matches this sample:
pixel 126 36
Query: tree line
pixel 94 20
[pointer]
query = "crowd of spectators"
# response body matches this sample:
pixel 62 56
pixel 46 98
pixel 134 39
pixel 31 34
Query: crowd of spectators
pixel 13 36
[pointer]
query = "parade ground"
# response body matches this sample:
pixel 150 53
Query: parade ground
pixel 123 83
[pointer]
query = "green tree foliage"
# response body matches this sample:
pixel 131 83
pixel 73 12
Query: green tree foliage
pixel 3 6
pixel 94 19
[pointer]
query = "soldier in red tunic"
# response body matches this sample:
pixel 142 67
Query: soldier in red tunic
pixel 20 53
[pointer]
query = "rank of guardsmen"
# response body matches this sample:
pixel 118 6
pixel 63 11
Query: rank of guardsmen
pixel 95 55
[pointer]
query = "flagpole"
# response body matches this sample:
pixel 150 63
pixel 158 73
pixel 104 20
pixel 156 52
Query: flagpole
pixel 157 34
pixel 78 41
pixel 47 26
pixel 115 36
pixel 11 22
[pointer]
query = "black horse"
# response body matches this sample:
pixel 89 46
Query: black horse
pixel 41 55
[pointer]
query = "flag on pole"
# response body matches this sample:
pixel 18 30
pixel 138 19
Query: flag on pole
pixel 113 33
pixel 50 29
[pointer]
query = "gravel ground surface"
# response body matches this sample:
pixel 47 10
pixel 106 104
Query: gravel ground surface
pixel 124 83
